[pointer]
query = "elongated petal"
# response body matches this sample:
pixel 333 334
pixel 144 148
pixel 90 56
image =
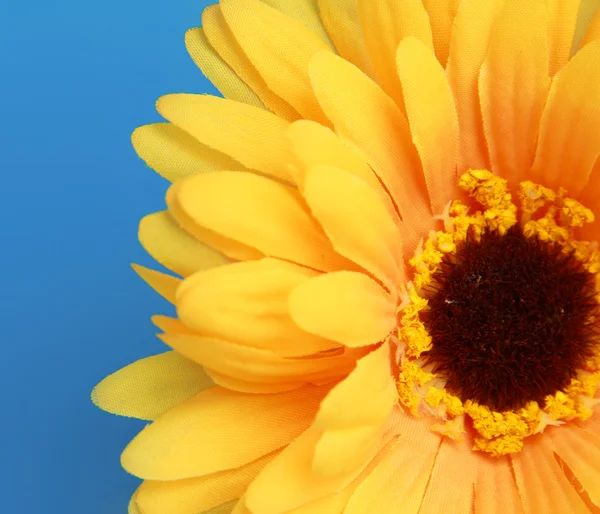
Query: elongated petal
pixel 257 365
pixel 346 307
pixel 164 285
pixel 513 85
pixel 495 487
pixel 247 303
pixel 432 118
pixel 562 19
pixel 243 386
pixel 586 19
pixel 313 144
pixel 174 248
pixel 151 386
pixel 194 439
pixel 593 31
pixel 349 98
pixel 468 46
pixel 401 478
pixel 558 493
pixel 225 508
pixel 259 213
pixel 233 128
pixel 280 48
pixel 340 18
pixel 356 222
pixel 173 153
pixel 569 140
pixel 353 416
pixel 452 479
pixel 580 450
pixel 384 24
pixel 196 495
pixel 441 16
pixel 221 39
pixel 217 70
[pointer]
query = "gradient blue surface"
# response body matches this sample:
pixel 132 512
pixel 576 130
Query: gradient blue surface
pixel 75 79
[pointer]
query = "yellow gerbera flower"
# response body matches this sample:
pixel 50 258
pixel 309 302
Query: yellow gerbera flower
pixel 390 271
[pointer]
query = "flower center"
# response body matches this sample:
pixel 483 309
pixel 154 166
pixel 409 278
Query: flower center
pixel 509 318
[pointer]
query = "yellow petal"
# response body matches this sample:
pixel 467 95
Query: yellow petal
pixel 225 508
pixel 589 197
pixel 247 303
pixel 366 117
pixel 495 487
pixel 558 493
pixel 340 18
pixel 196 495
pixel 313 144
pixel 306 12
pixel 468 46
pixel 257 365
pixel 280 48
pixel 569 140
pixel 432 117
pixel 221 39
pixel 452 479
pixel 346 307
pixel 588 12
pixel 356 222
pixel 384 24
pixel 580 450
pixel 233 128
pixel 353 416
pixel 173 153
pixel 151 386
pixel 164 285
pixel 513 85
pixel 195 438
pixel 133 507
pixel 441 16
pixel 174 248
pixel 562 19
pixel 242 386
pixel 257 212
pixel 402 476
pixel 217 70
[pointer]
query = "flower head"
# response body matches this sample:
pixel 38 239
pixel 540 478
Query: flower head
pixel 388 275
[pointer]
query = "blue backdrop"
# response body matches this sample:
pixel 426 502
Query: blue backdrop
pixel 75 79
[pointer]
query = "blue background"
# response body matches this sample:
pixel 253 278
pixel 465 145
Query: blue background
pixel 75 79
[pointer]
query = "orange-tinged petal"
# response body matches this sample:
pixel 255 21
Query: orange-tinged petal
pixel 247 303
pixel 257 365
pixel 450 486
pixel 432 118
pixel 349 97
pixel 221 39
pixel 257 212
pixel 353 416
pixel 356 222
pixel 173 153
pixel 312 144
pixel 164 285
pixel 346 307
pixel 235 384
pixel 402 476
pixel 589 197
pixel 593 31
pixel 233 128
pixel 340 18
pixel 149 387
pixel 513 85
pixel 217 70
pixel 587 21
pixel 194 439
pixel 468 47
pixel 280 48
pixel 384 24
pixel 174 248
pixel 495 487
pixel 441 16
pixel 543 491
pixel 196 495
pixel 580 450
pixel 562 19
pixel 569 140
